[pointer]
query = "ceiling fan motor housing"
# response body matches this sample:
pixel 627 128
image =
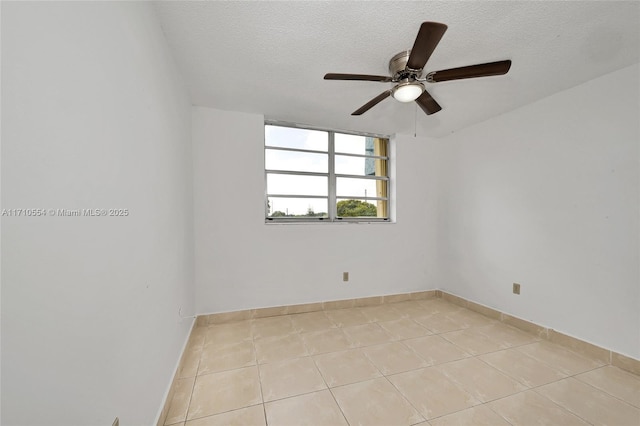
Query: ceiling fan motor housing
pixel 398 67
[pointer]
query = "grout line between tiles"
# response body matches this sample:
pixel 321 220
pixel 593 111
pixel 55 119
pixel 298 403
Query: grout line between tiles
pixel 504 373
pixel 221 412
pixel 406 399
pixel 186 415
pixel 264 405
pixel 486 404
pixel 558 405
pixel 329 389
pixel 602 390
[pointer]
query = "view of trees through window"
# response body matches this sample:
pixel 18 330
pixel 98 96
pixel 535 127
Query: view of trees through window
pixel 345 208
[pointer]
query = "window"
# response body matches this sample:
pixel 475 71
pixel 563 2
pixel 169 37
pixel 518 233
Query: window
pixel 320 175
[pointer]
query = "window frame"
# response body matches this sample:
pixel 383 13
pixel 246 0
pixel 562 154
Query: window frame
pixel 332 177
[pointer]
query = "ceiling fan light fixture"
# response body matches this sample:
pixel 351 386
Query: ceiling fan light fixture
pixel 407 92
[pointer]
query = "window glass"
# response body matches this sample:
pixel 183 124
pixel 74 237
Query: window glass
pixel 297 184
pixel 353 144
pixel 325 175
pixel 297 207
pixel 291 137
pixel 297 161
pixel 348 187
pixel 347 165
pixel 357 208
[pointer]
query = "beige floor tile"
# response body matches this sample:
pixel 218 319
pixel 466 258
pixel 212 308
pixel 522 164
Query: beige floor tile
pixel 589 403
pixel 432 393
pixel 229 390
pixel 197 337
pixel 249 416
pixel 392 358
pixel 470 318
pixel 347 317
pixel 272 326
pixel 180 402
pixel 439 306
pixel 317 408
pixel 616 382
pixel 435 349
pixel 393 339
pixel 507 335
pixel 440 323
pixel 235 332
pixel 404 328
pixel 331 340
pixel 480 380
pixel 473 342
pixel 226 357
pixel 190 363
pixel 529 408
pixel 279 348
pixel 560 358
pixel 289 378
pixel 412 309
pixel 311 321
pixel 366 335
pixel 479 415
pixel 381 313
pixel 375 402
pixel 345 367
pixel 528 371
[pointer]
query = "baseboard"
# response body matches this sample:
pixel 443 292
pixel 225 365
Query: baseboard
pixel 220 318
pixel 168 396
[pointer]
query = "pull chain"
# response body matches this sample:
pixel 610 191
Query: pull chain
pixel 415 121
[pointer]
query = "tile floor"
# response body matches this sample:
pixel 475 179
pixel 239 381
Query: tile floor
pixel 424 362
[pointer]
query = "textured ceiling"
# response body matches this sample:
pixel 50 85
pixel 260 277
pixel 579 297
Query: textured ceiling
pixel 270 57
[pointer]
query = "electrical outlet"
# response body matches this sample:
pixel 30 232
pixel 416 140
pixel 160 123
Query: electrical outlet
pixel 116 422
pixel 345 276
pixel 516 288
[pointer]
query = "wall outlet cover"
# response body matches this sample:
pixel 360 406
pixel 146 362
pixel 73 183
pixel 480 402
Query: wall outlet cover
pixel 516 288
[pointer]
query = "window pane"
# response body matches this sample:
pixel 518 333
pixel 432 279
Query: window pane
pixel 360 166
pixel 352 187
pixel 352 144
pixel 361 208
pixel 296 185
pixel 288 137
pixel 297 207
pixel 296 161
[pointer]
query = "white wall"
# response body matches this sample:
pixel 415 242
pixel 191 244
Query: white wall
pixel 93 116
pixel 243 263
pixel 547 196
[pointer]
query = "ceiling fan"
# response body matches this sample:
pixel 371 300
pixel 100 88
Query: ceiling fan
pixel 406 70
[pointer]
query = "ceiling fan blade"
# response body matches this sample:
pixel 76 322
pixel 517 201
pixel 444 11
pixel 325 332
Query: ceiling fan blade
pixel 362 77
pixel 471 71
pixel 373 102
pixel 427 39
pixel 428 104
